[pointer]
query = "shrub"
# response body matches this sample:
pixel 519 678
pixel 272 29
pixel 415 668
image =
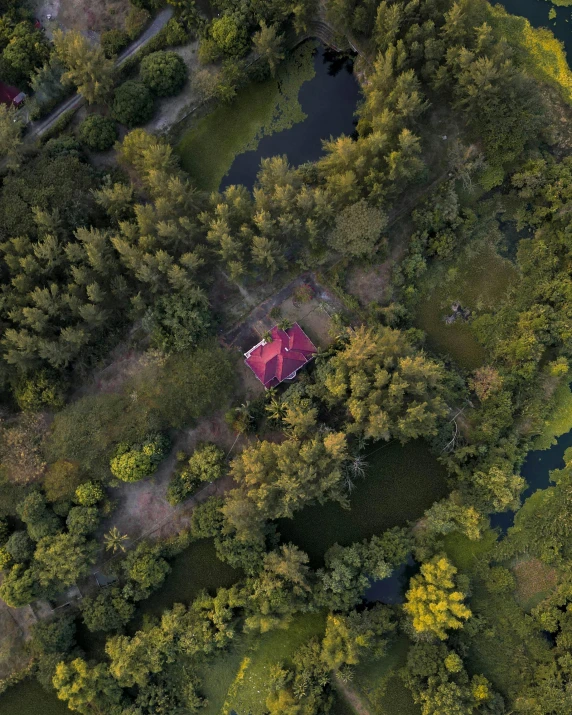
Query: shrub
pixel 230 35
pixel 40 391
pixel 133 462
pixel 136 21
pixel 209 51
pixel 176 322
pixel 206 464
pixel 89 493
pixel 164 73
pixel 98 133
pixel 20 546
pixel 5 558
pixel 113 41
pixel 133 103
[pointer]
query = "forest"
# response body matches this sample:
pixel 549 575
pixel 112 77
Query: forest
pixel 176 539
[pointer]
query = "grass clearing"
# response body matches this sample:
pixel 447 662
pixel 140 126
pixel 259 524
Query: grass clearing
pixel 465 553
pixel 260 109
pixel 534 581
pixel 248 692
pixel 477 279
pixel 560 420
pixel 401 483
pixel 218 674
pixel 379 685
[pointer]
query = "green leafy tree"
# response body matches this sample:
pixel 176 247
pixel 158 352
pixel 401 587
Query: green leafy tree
pixel 206 464
pixel 358 230
pixel 20 547
pixel 113 41
pixel 108 611
pixel 133 104
pixel 177 322
pixel 388 388
pixel 62 480
pixel 97 132
pixel 146 568
pixel 26 50
pixel 18 587
pixel 282 588
pixel 207 519
pixel 87 689
pixel 350 637
pixel 268 45
pixel 40 521
pixel 230 35
pixel 164 73
pixel 89 493
pixel 82 520
pixel 59 561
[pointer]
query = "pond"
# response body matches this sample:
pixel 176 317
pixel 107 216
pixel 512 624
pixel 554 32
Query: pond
pixel 401 483
pixel 536 470
pixel 312 98
pixel 391 590
pixel 195 569
pixel 329 100
pixel 536 12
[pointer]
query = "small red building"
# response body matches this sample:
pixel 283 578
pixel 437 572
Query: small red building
pixel 280 359
pixel 11 95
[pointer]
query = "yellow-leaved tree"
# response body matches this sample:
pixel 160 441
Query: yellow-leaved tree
pixel 87 66
pixel 433 600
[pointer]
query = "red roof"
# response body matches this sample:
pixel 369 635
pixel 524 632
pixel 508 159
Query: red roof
pixel 282 358
pixel 10 95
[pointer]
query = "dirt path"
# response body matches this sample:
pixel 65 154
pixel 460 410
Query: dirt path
pixel 352 698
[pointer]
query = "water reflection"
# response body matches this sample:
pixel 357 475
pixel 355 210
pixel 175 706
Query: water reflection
pixel 391 590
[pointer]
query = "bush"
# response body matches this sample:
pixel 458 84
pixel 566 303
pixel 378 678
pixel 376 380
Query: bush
pixel 230 35
pixel 113 41
pixel 42 390
pixel 98 133
pixel 133 462
pixel 209 51
pixel 164 73
pixel 176 322
pixel 20 546
pixel 206 464
pixel 133 104
pixel 89 493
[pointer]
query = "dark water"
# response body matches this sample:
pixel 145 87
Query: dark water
pixel 391 590
pixel 401 483
pixel 536 12
pixel 29 698
pixel 329 100
pixel 536 470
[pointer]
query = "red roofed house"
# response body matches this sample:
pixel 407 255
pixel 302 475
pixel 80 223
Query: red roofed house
pixel 273 362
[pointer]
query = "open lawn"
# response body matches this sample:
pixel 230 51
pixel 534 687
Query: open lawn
pixel 208 149
pixel 477 279
pixel 249 689
pixel 379 686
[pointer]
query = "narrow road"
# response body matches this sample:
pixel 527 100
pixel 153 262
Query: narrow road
pixel 75 102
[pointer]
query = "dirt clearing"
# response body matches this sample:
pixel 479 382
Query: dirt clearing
pixel 91 18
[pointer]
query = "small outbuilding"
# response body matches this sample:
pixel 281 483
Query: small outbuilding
pixel 11 95
pixel 280 358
